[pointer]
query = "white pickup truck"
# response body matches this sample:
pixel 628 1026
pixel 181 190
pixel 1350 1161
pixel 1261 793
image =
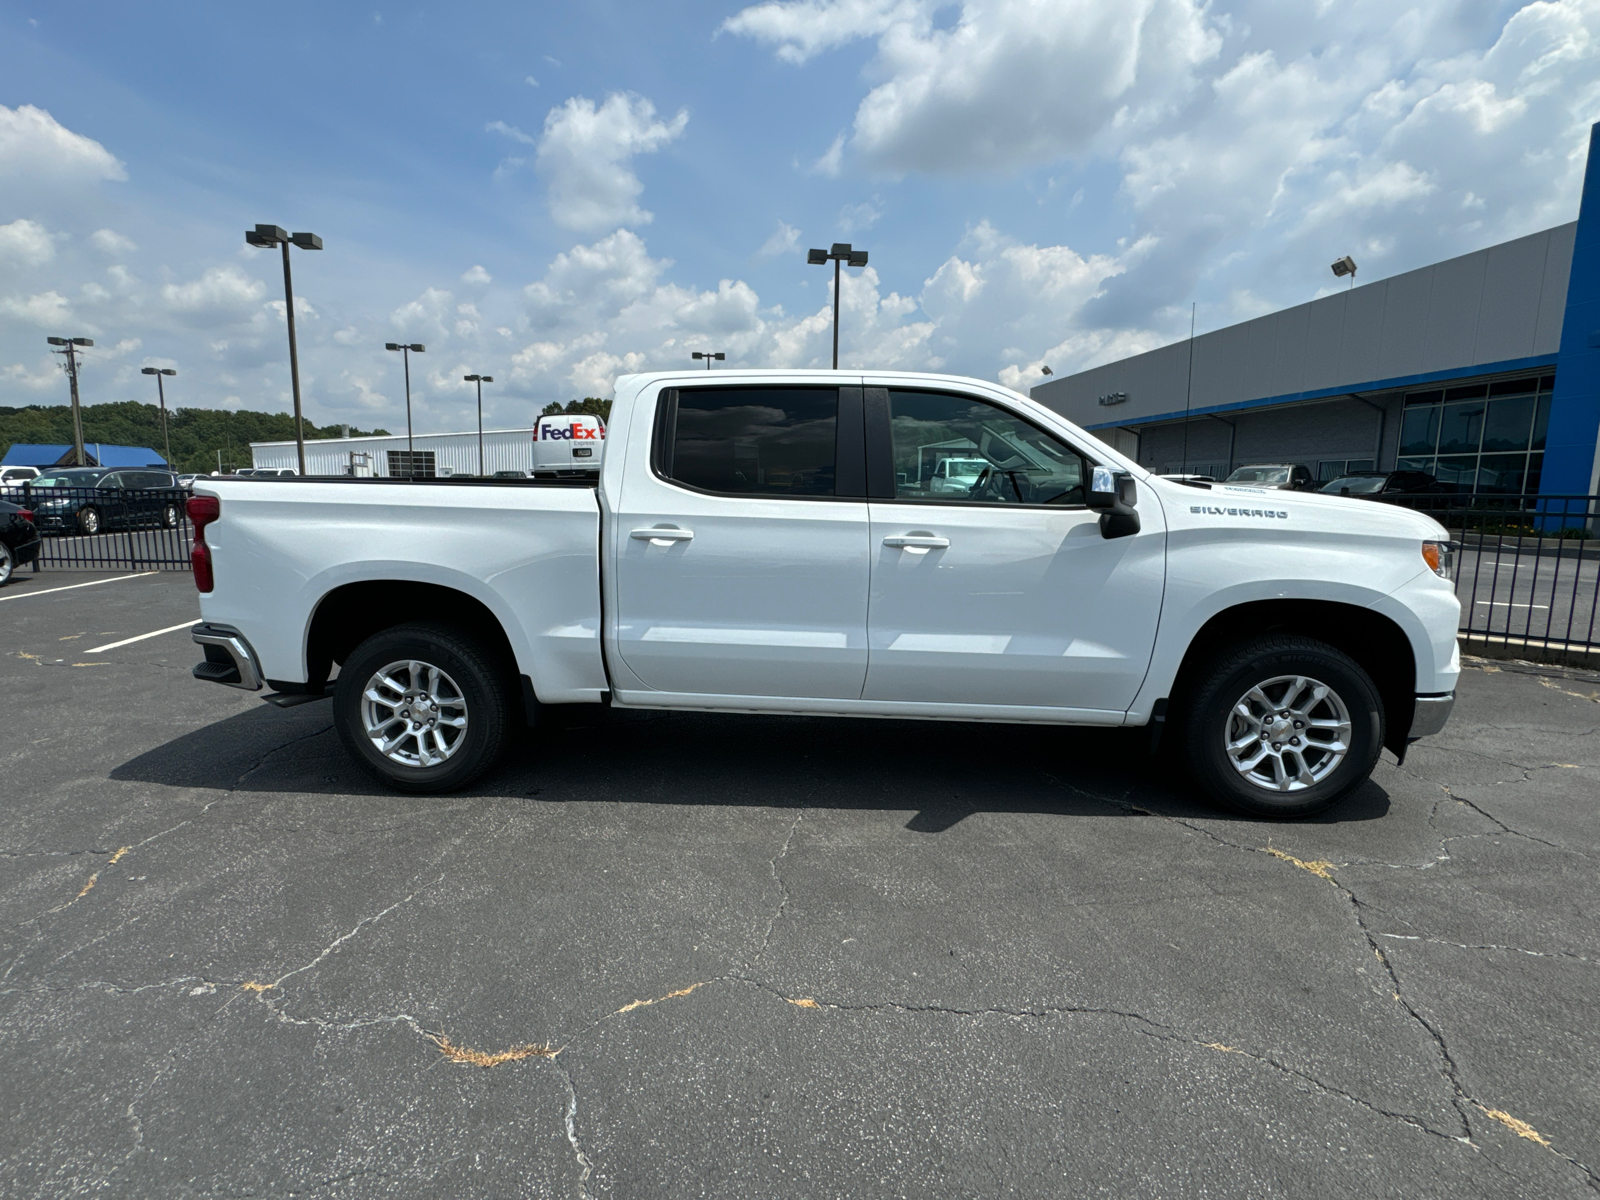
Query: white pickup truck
pixel 775 542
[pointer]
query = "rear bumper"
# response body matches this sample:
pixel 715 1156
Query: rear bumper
pixel 229 658
pixel 1431 714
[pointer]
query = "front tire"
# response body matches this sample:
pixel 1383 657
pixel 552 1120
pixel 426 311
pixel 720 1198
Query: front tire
pixel 89 521
pixel 169 516
pixel 1282 726
pixel 423 707
pixel 8 564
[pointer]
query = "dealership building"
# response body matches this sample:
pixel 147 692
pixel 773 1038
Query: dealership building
pixel 1483 370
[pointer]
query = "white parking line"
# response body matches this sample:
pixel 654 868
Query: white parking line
pixel 70 586
pixel 154 633
pixel 1511 604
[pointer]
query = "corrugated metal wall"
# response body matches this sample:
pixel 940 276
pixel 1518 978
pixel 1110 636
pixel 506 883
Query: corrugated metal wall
pixel 503 450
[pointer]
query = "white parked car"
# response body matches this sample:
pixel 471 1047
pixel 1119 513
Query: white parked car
pixel 957 476
pixel 751 545
pixel 12 479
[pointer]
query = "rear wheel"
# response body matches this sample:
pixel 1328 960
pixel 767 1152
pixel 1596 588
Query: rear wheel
pixel 1283 726
pixel 8 564
pixel 423 707
pixel 169 516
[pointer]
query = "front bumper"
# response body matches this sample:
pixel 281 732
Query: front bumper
pixel 1431 714
pixel 229 658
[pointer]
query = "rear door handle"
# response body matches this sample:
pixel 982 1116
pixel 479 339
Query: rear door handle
pixel 924 541
pixel 661 537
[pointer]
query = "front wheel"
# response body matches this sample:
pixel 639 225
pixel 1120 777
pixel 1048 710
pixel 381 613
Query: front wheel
pixel 169 516
pixel 89 521
pixel 8 564
pixel 423 707
pixel 1283 726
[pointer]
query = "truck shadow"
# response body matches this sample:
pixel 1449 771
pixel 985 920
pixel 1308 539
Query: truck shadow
pixel 942 772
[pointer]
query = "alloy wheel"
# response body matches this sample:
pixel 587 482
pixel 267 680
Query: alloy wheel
pixel 1287 733
pixel 414 714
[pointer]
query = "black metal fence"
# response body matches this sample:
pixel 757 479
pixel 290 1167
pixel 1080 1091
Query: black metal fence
pixel 1528 568
pixel 110 528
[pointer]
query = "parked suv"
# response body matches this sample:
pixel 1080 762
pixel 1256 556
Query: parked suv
pixel 91 500
pixel 1285 476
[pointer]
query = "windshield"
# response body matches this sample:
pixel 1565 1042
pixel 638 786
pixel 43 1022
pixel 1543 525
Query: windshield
pixel 1271 475
pixel 1359 485
pixel 68 479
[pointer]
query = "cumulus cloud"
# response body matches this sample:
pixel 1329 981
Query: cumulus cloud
pixel 26 243
pixel 785 239
pixel 33 143
pixel 585 158
pixel 221 291
pixel 476 275
pixel 109 241
pixel 45 309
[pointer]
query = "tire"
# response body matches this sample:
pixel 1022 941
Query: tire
pixel 8 564
pixel 169 516
pixel 1333 700
pixel 378 682
pixel 89 522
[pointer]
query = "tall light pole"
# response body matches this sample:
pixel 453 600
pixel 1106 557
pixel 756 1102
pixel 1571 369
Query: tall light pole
pixel 708 356
pixel 480 380
pixel 69 348
pixel 161 394
pixel 840 254
pixel 406 349
pixel 267 236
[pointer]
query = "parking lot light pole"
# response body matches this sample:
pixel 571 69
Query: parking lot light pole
pixel 406 349
pixel 161 395
pixel 69 348
pixel 266 236
pixel 480 380
pixel 708 356
pixel 842 253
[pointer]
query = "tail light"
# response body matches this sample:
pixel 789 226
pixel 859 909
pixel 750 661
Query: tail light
pixel 202 511
pixel 25 513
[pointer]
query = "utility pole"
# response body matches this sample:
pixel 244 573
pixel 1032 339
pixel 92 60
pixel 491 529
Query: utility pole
pixel 69 348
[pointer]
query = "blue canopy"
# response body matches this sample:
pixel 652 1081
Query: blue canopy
pixel 24 454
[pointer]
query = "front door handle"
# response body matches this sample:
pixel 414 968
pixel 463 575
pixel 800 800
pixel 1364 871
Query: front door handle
pixel 919 540
pixel 662 537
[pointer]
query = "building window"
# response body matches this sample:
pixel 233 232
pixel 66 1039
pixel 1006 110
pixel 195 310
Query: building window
pixel 1332 468
pixel 1212 470
pixel 1480 437
pixel 412 464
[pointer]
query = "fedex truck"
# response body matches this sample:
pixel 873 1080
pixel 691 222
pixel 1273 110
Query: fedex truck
pixel 568 444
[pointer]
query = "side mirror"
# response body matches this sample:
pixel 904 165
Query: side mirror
pixel 1114 495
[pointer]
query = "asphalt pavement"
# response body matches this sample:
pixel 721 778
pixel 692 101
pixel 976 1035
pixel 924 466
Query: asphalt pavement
pixel 695 955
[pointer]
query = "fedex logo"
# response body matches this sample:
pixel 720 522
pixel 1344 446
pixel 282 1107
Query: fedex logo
pixel 548 433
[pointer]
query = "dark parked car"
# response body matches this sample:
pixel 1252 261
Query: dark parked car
pixel 1383 483
pixel 19 540
pixel 91 500
pixel 1284 476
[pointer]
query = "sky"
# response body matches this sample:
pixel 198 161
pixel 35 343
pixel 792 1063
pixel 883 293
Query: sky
pixel 558 194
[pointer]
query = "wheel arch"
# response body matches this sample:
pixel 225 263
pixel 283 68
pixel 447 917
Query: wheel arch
pixel 1376 642
pixel 351 613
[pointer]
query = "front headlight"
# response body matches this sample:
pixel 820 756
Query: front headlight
pixel 1441 558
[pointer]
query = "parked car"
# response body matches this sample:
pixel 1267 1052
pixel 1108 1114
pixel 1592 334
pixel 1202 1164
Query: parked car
pixel 1294 477
pixel 757 551
pixel 259 472
pixel 91 500
pixel 1382 483
pixel 1191 478
pixel 187 481
pixel 510 475
pixel 12 479
pixel 19 540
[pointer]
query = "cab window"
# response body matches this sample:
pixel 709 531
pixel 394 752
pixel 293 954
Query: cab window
pixel 956 449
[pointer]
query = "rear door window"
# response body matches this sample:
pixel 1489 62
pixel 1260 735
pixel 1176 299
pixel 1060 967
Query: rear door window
pixel 751 441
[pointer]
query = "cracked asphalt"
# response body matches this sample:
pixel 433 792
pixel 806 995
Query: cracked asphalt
pixel 772 957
